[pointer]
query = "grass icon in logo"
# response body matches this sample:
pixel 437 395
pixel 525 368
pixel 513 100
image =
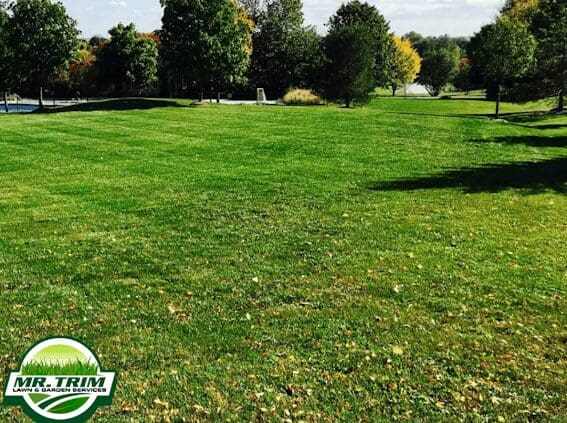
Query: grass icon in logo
pixel 60 380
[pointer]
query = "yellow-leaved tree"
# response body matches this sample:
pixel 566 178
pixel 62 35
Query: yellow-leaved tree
pixel 406 66
pixel 522 11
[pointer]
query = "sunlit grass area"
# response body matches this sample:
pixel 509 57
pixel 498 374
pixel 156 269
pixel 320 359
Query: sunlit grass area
pixel 405 260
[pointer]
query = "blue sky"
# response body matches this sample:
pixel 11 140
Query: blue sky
pixel 429 17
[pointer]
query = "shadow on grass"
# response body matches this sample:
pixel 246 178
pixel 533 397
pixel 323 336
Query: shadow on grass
pixel 531 141
pixel 533 176
pixel 115 105
pixel 550 126
pixel 518 118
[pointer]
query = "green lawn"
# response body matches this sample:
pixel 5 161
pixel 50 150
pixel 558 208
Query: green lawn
pixel 403 261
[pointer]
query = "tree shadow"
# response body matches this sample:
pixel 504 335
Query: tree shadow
pixel 533 176
pixel 115 105
pixel 531 141
pixel 530 117
pixel 512 117
pixel 550 126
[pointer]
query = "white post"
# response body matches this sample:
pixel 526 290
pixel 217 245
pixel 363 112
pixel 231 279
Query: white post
pixel 261 96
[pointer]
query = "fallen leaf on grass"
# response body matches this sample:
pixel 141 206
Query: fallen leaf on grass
pixel 397 350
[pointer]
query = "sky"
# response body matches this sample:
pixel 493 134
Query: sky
pixel 428 17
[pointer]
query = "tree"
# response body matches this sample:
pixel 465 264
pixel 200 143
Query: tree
pixel 286 54
pixel 210 40
pixel 253 7
pixel 351 57
pixel 549 25
pixel 437 68
pixel 504 51
pixel 128 61
pixel 363 14
pixel 42 38
pixel 4 59
pixel 406 64
pixel 427 45
pixel 463 79
pixel 96 40
pixel 521 11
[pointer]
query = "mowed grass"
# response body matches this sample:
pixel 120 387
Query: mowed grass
pixel 403 261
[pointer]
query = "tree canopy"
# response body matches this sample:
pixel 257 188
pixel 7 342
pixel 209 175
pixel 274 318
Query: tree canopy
pixel 210 40
pixel 350 75
pixel 4 59
pixel 128 61
pixel 521 11
pixel 406 64
pixel 549 26
pixel 363 14
pixel 286 54
pixel 42 39
pixel 503 50
pixel 437 69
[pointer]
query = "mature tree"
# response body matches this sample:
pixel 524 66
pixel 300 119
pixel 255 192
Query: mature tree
pixel 83 75
pixel 406 64
pixel 463 79
pixel 503 51
pixel 286 54
pixel 521 11
pixel 437 68
pixel 427 45
pixel 4 59
pixel 363 14
pixel 416 39
pixel 96 40
pixel 549 26
pixel 350 72
pixel 128 62
pixel 253 7
pixel 210 40
pixel 42 38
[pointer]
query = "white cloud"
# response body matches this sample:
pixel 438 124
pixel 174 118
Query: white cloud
pixel 118 3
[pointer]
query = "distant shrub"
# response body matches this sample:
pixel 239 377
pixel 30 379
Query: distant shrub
pixel 302 97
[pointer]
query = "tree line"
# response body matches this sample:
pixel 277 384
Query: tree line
pixel 204 49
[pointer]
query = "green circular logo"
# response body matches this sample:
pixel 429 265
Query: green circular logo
pixel 60 380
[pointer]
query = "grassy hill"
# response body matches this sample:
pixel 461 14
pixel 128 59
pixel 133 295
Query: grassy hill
pixel 401 261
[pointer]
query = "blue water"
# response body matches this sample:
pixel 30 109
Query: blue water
pixel 18 108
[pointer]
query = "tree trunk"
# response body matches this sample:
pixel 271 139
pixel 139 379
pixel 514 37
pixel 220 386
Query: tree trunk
pixel 41 96
pixel 348 103
pixel 394 89
pixel 5 97
pixel 561 103
pixel 498 95
pixel 218 96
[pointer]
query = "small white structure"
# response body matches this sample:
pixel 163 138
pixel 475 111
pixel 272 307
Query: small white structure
pixel 261 96
pixel 416 89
